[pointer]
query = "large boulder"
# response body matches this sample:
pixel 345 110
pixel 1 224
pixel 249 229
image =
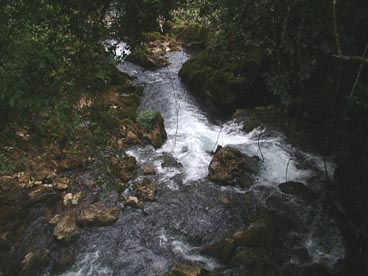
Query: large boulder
pixel 229 167
pixel 156 135
pixel 297 189
pixel 186 270
pixel 222 250
pixel 227 79
pixel 97 215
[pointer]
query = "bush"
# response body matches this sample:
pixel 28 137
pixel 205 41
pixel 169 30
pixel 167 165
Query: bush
pixel 145 119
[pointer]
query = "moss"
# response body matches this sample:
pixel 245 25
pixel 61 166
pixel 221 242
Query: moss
pixel 146 119
pixel 226 78
pixel 193 35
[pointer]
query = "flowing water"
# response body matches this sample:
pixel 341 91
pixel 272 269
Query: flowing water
pixel 188 213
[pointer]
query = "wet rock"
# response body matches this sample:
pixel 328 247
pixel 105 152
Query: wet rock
pixel 97 215
pixel 259 233
pixel 297 189
pixel 132 138
pixel 149 170
pixel 169 161
pixel 221 250
pixel 157 135
pixel 62 263
pixel 34 262
pixel 249 256
pixel 66 229
pixel 133 201
pixel 61 183
pixel 41 193
pixel 125 168
pixel 55 219
pixel 67 199
pixel 186 270
pixel 227 79
pixel 229 167
pixel 146 190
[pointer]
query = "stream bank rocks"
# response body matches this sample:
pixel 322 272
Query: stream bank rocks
pixel 67 225
pixel 187 270
pixel 231 167
pixel 156 135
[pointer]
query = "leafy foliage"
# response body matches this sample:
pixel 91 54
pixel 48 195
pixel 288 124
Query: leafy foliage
pixel 146 118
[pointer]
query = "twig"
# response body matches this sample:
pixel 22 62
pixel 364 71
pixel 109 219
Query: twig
pixel 351 58
pixel 359 71
pixel 287 169
pixel 259 146
pixel 335 27
pixel 218 137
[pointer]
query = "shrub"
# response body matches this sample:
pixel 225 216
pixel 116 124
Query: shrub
pixel 145 119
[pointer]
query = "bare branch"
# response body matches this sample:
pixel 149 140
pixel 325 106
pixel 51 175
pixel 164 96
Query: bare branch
pixel 359 71
pixel 337 38
pixel 351 58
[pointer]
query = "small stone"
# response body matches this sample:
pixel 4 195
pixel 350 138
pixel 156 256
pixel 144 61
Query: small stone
pixel 132 201
pixel 68 199
pixel 146 190
pixel 76 198
pixel 62 183
pixel 149 170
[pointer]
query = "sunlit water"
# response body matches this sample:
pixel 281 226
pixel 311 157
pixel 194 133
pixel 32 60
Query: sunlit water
pixel 186 215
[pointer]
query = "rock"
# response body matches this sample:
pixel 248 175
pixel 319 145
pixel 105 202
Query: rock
pixel 41 193
pixel 157 135
pixel 149 170
pixel 259 233
pixel 34 262
pixel 55 219
pixel 249 256
pixel 125 168
pixel 186 270
pixel 229 167
pixel 76 198
pixel 146 190
pixel 97 215
pixel 132 201
pixel 169 161
pixel 227 79
pixel 66 229
pixel 62 263
pixel 132 139
pixel 221 250
pixel 297 189
pixel 61 183
pixel 67 200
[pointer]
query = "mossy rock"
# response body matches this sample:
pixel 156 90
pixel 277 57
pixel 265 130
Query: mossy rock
pixel 229 80
pixel 192 35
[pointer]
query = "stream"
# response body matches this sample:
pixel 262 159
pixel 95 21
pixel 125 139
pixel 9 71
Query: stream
pixel 188 213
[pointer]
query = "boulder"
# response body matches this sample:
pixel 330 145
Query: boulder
pixel 229 167
pixel 42 193
pixel 259 233
pixel 97 215
pixel 125 168
pixel 146 190
pixel 169 161
pixel 157 135
pixel 186 270
pixel 66 229
pixel 297 189
pixel 221 250
pixel 34 262
pixel 227 79
pixel 249 256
